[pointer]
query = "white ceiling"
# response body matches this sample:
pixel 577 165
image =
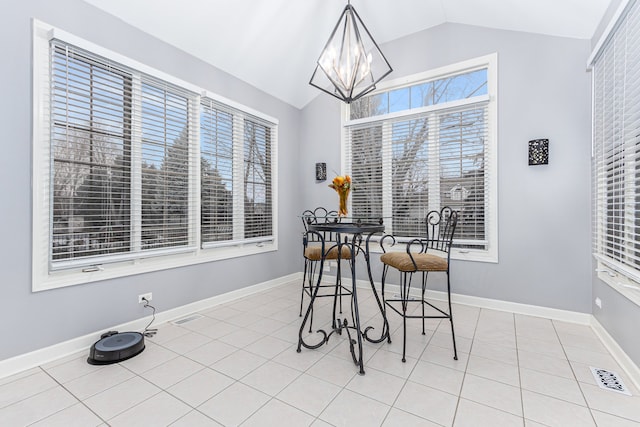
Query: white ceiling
pixel 273 44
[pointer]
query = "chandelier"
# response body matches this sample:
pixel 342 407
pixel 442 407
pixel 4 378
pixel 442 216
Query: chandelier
pixel 351 62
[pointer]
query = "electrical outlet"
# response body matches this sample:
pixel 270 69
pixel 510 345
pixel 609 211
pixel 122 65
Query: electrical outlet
pixel 148 296
pixel 599 302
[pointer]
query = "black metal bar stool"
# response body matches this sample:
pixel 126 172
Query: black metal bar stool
pixel 312 252
pixel 422 255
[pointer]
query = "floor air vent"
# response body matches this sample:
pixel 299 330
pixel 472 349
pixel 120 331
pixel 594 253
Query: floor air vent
pixel 187 319
pixel 609 380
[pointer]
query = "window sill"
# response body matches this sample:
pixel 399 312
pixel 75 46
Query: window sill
pixel 632 294
pixel 618 281
pixel 478 256
pixel 45 280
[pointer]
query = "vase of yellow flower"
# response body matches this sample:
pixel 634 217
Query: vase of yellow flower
pixel 342 185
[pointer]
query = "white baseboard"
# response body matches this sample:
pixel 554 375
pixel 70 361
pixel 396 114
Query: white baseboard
pixel 514 307
pixel 493 304
pixel 48 354
pixel 617 352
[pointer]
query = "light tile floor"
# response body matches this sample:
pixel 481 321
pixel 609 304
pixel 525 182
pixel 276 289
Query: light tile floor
pixel 238 365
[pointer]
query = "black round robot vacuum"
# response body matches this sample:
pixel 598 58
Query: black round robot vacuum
pixel 114 347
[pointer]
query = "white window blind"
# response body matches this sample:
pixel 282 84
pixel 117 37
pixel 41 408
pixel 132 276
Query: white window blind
pixel 236 175
pixel 217 172
pixel 616 134
pixel 120 161
pixel 422 146
pixel 463 158
pixel 166 202
pixel 91 156
pixel 257 180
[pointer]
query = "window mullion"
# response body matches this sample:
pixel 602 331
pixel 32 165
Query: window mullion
pixel 238 177
pixel 194 157
pixel 387 173
pixel 136 165
pixel 433 160
pixel 630 161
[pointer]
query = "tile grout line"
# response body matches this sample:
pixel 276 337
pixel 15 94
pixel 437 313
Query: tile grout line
pixel 140 375
pixel 32 395
pixel 342 388
pixel 235 381
pixel 575 377
pixel 515 333
pixel 270 397
pixel 464 374
pixel 406 380
pixel 503 383
pixel 74 396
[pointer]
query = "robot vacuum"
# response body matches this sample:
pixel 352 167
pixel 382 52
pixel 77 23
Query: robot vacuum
pixel 114 347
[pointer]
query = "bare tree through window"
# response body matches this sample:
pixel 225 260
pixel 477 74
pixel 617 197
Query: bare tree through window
pixel 257 180
pixel 91 157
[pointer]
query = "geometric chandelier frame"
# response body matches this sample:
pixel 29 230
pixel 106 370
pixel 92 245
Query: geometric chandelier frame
pixel 351 63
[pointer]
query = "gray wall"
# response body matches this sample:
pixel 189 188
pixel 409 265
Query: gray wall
pixel 543 211
pixel 29 321
pixel 618 314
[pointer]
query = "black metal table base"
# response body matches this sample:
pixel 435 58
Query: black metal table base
pixel 355 333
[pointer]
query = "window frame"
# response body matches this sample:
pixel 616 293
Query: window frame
pixel 490 62
pixel 237 136
pixel 43 276
pixel 612 151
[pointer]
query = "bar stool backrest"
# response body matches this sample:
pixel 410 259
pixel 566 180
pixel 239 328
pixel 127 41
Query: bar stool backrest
pixel 319 215
pixel 440 226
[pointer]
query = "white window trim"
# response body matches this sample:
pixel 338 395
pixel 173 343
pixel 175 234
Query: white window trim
pixel 607 32
pixel 491 63
pixel 42 278
pixel 621 278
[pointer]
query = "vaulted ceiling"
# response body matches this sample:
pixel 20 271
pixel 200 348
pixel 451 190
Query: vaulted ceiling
pixel 274 44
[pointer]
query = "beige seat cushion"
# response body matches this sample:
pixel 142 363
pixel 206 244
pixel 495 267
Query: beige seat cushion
pixel 314 252
pixel 425 262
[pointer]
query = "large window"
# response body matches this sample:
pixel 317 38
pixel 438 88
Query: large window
pixel 91 156
pixel 418 146
pixel 616 137
pixel 136 171
pixel 236 147
pixel 119 160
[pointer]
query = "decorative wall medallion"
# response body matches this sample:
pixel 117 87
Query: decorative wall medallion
pixel 538 152
pixel 321 171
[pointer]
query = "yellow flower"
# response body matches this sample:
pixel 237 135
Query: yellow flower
pixel 341 183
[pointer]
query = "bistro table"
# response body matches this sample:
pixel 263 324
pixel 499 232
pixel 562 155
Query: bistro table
pixel 356 235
